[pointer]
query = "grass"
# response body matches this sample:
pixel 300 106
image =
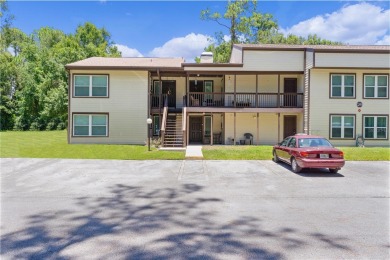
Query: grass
pixel 265 153
pixel 53 144
pixel 239 152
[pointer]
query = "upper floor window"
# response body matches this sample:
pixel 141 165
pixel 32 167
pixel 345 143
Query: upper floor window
pixel 342 85
pixel 375 127
pixel 90 125
pixel 90 85
pixel 376 86
pixel 342 126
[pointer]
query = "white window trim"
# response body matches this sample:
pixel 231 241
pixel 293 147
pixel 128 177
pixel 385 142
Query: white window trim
pixel 90 125
pixel 375 127
pixel 342 126
pixel 90 85
pixel 342 85
pixel 376 85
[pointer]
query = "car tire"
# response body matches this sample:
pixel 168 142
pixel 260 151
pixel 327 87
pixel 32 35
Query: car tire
pixel 275 157
pixel 333 170
pixel 294 166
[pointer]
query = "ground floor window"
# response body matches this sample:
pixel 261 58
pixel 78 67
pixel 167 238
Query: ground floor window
pixel 90 125
pixel 156 124
pixel 375 127
pixel 342 126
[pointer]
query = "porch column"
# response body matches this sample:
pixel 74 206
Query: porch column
pixel 211 130
pixel 188 129
pixel 257 133
pixel 257 91
pixel 278 101
pixel 235 139
pixel 278 127
pixel 188 89
pixel 159 97
pixel 235 102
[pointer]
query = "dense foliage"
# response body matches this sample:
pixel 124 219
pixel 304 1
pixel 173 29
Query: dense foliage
pixel 246 25
pixel 34 82
pixel 33 79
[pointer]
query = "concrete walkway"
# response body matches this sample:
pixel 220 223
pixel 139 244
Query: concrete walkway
pixel 194 152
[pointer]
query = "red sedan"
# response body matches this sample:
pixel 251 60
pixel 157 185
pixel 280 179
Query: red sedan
pixel 308 151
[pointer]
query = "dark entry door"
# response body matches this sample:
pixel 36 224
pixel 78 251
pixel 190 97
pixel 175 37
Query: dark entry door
pixel 196 129
pixel 290 126
pixel 290 90
pixel 169 88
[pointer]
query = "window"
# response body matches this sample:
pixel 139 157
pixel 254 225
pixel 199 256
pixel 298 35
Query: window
pixel 376 86
pixel 375 127
pixel 342 85
pixel 91 85
pixel 90 125
pixel 342 126
pixel 156 124
pixel 285 141
pixel 156 87
pixel 292 142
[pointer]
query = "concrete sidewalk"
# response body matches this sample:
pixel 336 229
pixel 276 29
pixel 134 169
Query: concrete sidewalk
pixel 194 152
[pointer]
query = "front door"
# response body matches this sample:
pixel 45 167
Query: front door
pixel 196 129
pixel 169 88
pixel 290 91
pixel 290 125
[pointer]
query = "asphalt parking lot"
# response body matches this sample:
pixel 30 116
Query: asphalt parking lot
pixel 97 209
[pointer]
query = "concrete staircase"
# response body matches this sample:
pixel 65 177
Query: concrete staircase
pixel 173 131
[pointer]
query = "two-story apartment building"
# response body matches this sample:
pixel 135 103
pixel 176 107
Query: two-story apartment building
pixel 265 92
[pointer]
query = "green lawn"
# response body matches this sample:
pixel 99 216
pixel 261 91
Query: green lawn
pixel 53 144
pixel 265 153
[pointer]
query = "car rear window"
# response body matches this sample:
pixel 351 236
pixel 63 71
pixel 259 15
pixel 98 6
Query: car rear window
pixel 314 142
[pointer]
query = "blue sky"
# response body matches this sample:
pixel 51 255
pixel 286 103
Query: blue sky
pixel 174 28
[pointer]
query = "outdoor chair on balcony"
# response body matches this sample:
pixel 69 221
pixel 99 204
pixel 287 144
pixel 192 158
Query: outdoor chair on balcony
pixel 248 138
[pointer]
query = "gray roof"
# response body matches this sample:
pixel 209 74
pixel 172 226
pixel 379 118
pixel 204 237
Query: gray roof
pixel 357 48
pixel 126 63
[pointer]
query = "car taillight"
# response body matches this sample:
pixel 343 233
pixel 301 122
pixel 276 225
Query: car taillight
pixel 304 154
pixel 338 155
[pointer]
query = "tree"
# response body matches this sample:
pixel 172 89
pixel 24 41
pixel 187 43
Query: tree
pixel 34 91
pixel 246 25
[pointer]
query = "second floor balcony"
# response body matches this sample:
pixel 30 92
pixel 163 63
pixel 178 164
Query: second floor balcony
pixel 233 100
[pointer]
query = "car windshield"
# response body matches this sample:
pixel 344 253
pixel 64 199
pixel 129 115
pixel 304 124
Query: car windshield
pixel 314 142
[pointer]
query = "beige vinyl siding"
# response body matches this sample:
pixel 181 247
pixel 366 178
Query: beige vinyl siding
pixel 268 127
pixel 236 56
pixel 126 106
pixel 266 83
pixel 321 106
pixel 273 60
pixel 244 83
pixel 352 60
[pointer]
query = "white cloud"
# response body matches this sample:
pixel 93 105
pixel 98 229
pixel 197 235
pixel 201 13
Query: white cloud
pixel 362 23
pixel 384 41
pixel 128 52
pixel 188 47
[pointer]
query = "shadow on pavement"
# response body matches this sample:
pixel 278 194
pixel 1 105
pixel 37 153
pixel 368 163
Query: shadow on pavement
pixel 149 223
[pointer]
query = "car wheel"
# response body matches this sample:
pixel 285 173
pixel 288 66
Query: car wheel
pixel 294 165
pixel 276 158
pixel 333 170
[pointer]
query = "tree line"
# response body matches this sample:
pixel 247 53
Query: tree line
pixel 33 79
pixel 34 82
pixel 245 24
